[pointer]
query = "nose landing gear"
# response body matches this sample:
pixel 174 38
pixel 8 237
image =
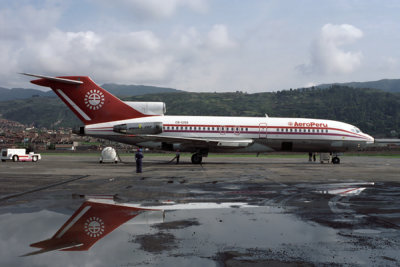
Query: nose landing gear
pixel 336 160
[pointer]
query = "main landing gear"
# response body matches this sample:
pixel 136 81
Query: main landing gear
pixel 197 158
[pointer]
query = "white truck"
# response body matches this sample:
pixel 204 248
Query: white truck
pixel 18 154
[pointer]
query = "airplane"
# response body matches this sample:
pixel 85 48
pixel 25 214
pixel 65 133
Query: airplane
pixel 144 124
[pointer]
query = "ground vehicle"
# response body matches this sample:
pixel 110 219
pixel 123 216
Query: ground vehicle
pixel 109 154
pixel 18 154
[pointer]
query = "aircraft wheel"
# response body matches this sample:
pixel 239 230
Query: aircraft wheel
pixel 196 158
pixel 34 158
pixel 15 158
pixel 336 160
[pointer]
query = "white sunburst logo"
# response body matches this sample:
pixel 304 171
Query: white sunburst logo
pixel 94 227
pixel 94 99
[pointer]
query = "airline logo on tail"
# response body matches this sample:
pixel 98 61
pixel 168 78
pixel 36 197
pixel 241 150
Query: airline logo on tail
pixel 94 99
pixel 94 227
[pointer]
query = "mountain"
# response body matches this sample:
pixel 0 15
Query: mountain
pixel 133 90
pixel 374 111
pixel 21 93
pixel 387 85
pixel 115 89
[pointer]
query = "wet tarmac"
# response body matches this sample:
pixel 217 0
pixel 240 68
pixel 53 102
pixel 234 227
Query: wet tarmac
pixel 230 211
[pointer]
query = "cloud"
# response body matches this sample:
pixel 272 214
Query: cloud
pixel 327 55
pixel 123 57
pixel 187 58
pixel 113 56
pixel 18 23
pixel 157 9
pixel 218 37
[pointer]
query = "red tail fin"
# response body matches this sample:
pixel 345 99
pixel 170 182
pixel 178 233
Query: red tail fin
pixel 91 103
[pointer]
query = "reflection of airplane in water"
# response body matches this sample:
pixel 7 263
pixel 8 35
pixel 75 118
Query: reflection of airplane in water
pixel 144 124
pixel 98 217
pixel 92 221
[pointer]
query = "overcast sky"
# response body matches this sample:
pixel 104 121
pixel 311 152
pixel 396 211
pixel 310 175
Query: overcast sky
pixel 201 45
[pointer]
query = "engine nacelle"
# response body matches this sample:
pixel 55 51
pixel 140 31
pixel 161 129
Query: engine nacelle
pixel 139 128
pixel 148 108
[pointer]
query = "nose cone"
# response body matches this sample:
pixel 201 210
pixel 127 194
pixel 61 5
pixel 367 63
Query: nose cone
pixel 370 139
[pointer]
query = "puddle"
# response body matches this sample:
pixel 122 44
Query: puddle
pixel 291 224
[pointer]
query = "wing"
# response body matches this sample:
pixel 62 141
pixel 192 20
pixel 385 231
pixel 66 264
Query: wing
pixel 223 142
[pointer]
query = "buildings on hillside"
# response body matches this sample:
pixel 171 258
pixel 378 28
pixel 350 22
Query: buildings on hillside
pixel 14 134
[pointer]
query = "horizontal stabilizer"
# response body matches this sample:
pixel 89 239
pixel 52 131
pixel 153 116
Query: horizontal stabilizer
pixel 54 79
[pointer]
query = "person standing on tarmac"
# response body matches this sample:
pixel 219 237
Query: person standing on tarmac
pixel 177 156
pixel 138 158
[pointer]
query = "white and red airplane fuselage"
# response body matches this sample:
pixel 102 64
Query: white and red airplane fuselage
pixel 144 124
pixel 241 134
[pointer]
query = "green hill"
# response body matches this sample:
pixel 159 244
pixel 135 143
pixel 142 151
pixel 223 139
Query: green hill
pixel 374 111
pixel 21 93
pixel 116 89
pixel 387 85
pixel 132 90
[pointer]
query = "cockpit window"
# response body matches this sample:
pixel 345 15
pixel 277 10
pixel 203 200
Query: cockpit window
pixel 356 130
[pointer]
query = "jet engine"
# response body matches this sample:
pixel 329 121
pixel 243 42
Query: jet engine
pixel 139 128
pixel 148 108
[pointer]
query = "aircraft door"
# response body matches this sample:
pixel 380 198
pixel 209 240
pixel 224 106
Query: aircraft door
pixel 222 130
pixel 263 130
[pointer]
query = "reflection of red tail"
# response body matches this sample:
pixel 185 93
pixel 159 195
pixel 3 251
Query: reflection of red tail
pixel 91 222
pixel 90 102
